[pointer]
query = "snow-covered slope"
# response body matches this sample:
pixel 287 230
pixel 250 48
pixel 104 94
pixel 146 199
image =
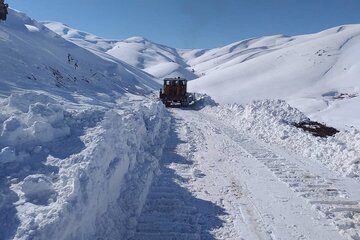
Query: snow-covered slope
pixel 33 57
pixel 80 136
pixel 158 60
pixel 82 38
pixel 310 72
pixel 316 73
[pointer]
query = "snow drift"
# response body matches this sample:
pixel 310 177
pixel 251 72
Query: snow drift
pixel 271 121
pixel 71 170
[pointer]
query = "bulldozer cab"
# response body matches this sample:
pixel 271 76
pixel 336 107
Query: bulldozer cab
pixel 176 88
pixel 174 92
pixel 3 10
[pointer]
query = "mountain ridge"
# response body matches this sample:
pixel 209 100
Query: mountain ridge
pixel 299 69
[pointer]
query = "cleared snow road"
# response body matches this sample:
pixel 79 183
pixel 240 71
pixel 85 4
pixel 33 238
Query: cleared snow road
pixel 218 184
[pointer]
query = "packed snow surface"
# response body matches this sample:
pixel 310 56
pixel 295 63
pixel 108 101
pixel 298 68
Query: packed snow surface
pixel 88 152
pixel 232 183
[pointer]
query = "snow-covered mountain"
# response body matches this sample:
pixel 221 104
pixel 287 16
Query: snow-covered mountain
pixel 316 73
pixel 156 59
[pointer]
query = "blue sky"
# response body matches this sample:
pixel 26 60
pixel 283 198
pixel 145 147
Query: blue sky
pixel 194 23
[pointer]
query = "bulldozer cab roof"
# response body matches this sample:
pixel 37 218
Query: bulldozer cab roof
pixel 176 81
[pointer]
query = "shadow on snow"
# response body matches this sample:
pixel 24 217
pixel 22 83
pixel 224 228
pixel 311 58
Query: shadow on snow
pixel 199 217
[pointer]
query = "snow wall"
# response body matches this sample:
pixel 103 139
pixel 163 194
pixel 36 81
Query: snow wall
pixel 76 173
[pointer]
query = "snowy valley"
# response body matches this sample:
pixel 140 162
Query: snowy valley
pixel 87 150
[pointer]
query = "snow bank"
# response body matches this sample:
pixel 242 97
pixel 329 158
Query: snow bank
pixel 71 174
pixel 80 139
pixel 23 122
pixel 270 121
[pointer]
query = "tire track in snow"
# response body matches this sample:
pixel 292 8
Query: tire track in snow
pixel 222 185
pixel 331 201
pixel 215 184
pixel 273 211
